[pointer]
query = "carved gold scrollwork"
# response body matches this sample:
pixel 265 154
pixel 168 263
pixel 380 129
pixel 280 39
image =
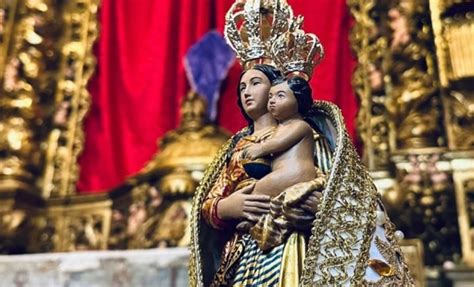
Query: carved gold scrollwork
pixel 463 177
pixel 72 100
pixel 370 44
pixel 424 202
pixel 453 25
pixel 72 225
pixel 414 104
pixel 415 109
pixel 23 70
pixel 45 62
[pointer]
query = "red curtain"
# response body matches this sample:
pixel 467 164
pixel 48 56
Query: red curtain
pixel 140 79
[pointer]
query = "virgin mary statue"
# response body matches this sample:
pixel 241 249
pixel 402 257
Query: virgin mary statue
pixel 340 235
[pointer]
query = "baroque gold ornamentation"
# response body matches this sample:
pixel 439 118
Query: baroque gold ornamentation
pixel 413 252
pixel 453 25
pixel 72 224
pixel 460 118
pixel 456 69
pixel 174 146
pixel 413 104
pixel 135 217
pixel 426 203
pixel 174 229
pixel 65 141
pixel 22 69
pixel 370 43
pixel 153 207
pixel 464 183
pixel 45 63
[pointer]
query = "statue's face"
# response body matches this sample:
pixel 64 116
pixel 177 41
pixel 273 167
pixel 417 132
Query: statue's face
pixel 253 88
pixel 282 102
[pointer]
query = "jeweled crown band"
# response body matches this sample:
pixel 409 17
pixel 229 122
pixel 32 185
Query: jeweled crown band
pixel 250 64
pixel 298 74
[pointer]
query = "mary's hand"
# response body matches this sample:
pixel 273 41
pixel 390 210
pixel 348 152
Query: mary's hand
pixel 243 205
pixel 302 217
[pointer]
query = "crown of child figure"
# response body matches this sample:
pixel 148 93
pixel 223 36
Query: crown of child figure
pixel 296 52
pixel 265 31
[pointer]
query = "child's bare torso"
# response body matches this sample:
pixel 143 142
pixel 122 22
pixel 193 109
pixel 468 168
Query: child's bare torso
pixel 291 166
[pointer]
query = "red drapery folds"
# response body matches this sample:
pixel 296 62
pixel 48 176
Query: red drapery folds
pixel 140 79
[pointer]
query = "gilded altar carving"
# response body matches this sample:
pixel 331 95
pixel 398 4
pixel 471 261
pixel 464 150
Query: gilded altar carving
pixel 152 209
pixel 72 224
pixel 460 118
pixel 453 27
pixel 370 43
pixel 395 79
pixel 409 99
pixel 414 104
pixel 45 63
pixel 414 82
pixel 425 204
pixel 22 63
pixel 13 224
pixel 76 66
pixel 134 217
pixel 463 177
pixel 413 251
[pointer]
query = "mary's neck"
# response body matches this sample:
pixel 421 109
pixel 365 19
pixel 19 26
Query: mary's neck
pixel 264 122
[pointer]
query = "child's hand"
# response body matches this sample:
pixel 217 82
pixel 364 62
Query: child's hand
pixel 253 151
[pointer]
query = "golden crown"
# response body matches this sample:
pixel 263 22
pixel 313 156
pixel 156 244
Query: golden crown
pixel 253 25
pixel 296 52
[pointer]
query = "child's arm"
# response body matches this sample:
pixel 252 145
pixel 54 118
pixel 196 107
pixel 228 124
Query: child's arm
pixel 280 143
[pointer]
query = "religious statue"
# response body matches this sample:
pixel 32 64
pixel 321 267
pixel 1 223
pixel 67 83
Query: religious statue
pixel 312 225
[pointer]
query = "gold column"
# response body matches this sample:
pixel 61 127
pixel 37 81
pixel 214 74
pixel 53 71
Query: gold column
pixel 369 44
pixel 414 103
pixel 45 62
pixel 72 101
pixel 22 73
